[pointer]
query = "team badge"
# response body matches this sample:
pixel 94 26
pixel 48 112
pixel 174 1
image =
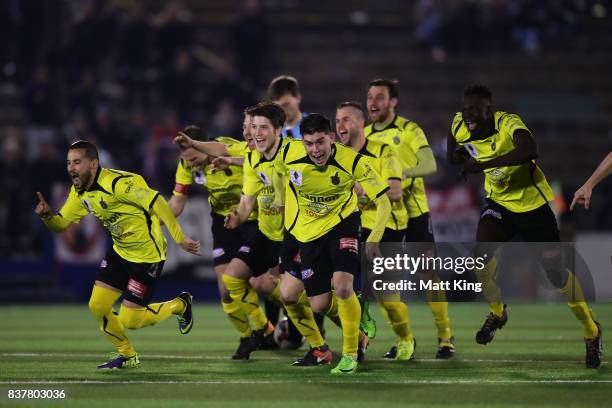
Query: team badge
pixel 396 140
pixel 493 145
pixel 335 179
pixel 228 172
pixel 264 178
pixel 296 177
pixel 103 203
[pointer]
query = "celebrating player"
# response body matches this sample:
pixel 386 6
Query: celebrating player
pixel 518 195
pixel 131 211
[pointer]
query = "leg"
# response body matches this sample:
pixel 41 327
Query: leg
pixel 236 315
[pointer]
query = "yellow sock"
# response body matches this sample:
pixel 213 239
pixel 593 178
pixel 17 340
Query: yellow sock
pixel 441 320
pixel 275 296
pixel 491 291
pixel 242 293
pixel 332 312
pixel 302 317
pixel 398 317
pixel 237 317
pixel 349 311
pixel 101 306
pixel 573 292
pixel 137 318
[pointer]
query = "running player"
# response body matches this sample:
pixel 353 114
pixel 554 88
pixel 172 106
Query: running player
pixel 518 195
pixel 131 211
pixel 322 177
pixel 417 161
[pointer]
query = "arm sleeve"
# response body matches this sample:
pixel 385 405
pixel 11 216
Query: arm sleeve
pixel 383 212
pixel 512 123
pixel 56 223
pixel 391 167
pixel 73 209
pixel 135 191
pixel 183 179
pixel 251 183
pixel 165 214
pixel 235 148
pixel 278 181
pixel 426 164
pixel 372 183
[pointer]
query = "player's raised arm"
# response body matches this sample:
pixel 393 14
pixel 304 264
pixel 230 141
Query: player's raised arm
pixel 56 222
pixel 583 194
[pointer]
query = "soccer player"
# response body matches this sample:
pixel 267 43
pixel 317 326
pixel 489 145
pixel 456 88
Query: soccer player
pixel 131 212
pixel 583 194
pixel 417 160
pixel 284 90
pixel 518 195
pixel 224 189
pixel 261 251
pixel 350 119
pixel 322 176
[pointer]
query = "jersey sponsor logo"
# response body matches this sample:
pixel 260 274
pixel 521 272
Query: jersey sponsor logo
pixel 217 252
pixel 137 289
pixel 307 273
pixel 103 203
pixel 199 177
pixel 245 249
pixel 87 205
pixel 471 150
pixel 498 178
pixel 296 177
pixel 335 179
pixel 368 170
pixel 349 243
pixel 264 178
pixel 320 199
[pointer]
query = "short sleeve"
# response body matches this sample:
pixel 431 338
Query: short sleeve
pixel 183 175
pixel 73 209
pixel 235 148
pixel 511 123
pixel 251 182
pixel 415 136
pixel 391 167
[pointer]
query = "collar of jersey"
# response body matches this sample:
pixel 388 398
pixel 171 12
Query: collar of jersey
pixel 263 158
pixel 95 186
pixel 493 131
pixel 391 125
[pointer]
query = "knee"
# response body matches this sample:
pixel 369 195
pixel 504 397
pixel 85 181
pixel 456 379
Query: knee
pixel 344 292
pixel 98 308
pixel 320 306
pixel 289 298
pixel 131 318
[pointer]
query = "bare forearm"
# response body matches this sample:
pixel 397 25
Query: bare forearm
pixel 603 170
pixel 211 148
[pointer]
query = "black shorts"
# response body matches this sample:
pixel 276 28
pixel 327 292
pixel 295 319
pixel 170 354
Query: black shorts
pixel 338 250
pixel 259 253
pixel 290 261
pixel 136 280
pixel 390 235
pixel 420 229
pixel 539 225
pixel 227 242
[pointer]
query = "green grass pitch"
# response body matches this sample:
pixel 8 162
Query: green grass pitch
pixel 537 360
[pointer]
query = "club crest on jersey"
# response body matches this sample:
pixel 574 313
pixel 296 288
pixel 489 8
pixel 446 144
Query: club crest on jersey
pixel 296 177
pixel 493 145
pixel 199 178
pixel 87 205
pixel 335 179
pixel 103 203
pixel 471 150
pixel 396 140
pixel 264 178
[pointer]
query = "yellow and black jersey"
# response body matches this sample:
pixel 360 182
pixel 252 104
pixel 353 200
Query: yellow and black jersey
pixel 518 188
pixel 324 196
pixel 406 137
pixel 224 187
pixel 383 158
pixel 122 201
pixel 258 173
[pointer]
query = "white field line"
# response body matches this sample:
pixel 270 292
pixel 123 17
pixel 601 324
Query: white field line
pixel 280 358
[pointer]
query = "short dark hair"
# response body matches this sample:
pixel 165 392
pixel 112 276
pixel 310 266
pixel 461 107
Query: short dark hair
pixel 391 84
pixel 90 150
pixel 282 85
pixel 353 104
pixel 195 132
pixel 478 90
pixel 313 123
pixel 272 111
pixel 249 110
